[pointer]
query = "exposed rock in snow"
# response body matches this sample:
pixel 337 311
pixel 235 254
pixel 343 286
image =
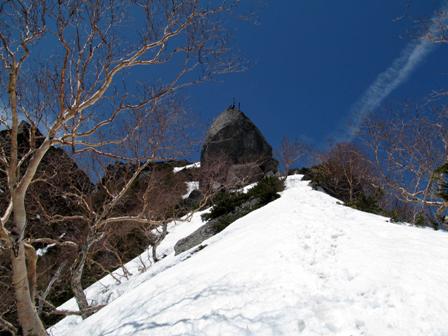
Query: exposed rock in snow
pixel 206 231
pixel 301 265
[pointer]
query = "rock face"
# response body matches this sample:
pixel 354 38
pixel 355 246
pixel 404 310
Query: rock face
pixel 61 175
pixel 235 152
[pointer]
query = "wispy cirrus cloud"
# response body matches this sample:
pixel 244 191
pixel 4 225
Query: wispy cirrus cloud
pixel 389 80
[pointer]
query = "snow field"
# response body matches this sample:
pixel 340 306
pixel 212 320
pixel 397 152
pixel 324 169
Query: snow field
pixel 301 265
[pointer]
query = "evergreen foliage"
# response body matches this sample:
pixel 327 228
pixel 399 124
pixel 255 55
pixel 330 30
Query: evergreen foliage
pixel 420 219
pixel 225 202
pixel 267 189
pixel 442 174
pixel 229 203
pixel 367 203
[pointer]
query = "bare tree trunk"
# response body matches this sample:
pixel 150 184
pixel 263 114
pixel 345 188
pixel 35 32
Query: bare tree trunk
pixel 159 240
pixel 27 314
pixel 76 284
pixel 80 296
pixel 154 253
pixel 31 266
pixel 26 310
pixel 43 296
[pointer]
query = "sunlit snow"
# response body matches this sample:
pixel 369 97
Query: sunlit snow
pixel 193 165
pixel 301 265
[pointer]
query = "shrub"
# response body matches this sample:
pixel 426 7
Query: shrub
pixel 225 202
pixel 239 204
pixel 267 189
pixel 420 219
pixel 347 174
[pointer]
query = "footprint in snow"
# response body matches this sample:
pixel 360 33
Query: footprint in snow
pixel 301 325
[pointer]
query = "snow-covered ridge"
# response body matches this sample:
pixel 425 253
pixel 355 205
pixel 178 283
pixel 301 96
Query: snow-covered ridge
pixel 301 265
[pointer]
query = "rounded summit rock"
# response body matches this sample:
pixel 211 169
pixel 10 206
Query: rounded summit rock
pixel 235 152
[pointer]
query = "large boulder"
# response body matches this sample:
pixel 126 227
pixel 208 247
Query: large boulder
pixel 235 152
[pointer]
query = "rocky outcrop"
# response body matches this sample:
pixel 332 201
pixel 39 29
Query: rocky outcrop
pixel 206 231
pixel 235 152
pixel 57 176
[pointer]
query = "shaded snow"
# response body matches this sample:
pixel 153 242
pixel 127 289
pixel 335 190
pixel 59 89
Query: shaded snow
pixel 301 265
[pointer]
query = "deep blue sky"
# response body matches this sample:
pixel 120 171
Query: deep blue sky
pixel 311 60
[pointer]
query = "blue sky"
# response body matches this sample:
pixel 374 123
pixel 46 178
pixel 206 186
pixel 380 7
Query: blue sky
pixel 313 61
pixel 313 65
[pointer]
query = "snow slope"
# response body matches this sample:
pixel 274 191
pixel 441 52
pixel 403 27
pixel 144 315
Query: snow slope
pixel 302 265
pixel 138 270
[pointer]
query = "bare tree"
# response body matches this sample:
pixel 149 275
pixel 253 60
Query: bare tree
pixel 410 144
pixel 290 152
pixel 346 173
pixel 131 201
pixel 408 149
pixel 64 70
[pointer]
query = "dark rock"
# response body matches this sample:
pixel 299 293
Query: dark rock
pixel 235 152
pixel 162 187
pixel 192 202
pixel 57 176
pixel 190 174
pixel 194 198
pixel 27 136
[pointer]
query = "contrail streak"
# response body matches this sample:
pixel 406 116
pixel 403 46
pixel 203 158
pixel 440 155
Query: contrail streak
pixel 386 82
